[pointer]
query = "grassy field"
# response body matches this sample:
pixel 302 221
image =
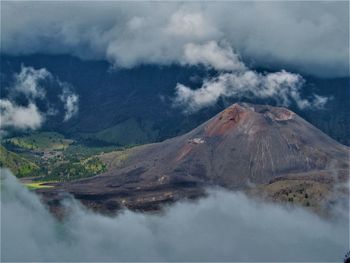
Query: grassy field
pixel 37 185
pixel 72 169
pixel 115 159
pixel 82 151
pixel 20 166
pixel 52 157
pixel 41 141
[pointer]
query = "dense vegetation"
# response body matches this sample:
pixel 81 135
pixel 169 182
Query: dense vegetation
pixel 17 164
pixel 72 169
pixel 49 156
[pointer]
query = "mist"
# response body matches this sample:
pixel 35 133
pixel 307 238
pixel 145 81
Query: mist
pixel 225 226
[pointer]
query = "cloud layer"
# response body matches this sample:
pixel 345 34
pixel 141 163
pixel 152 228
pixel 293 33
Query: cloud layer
pixel 212 55
pixel 20 110
pixel 225 226
pixel 239 81
pixel 19 117
pixel 310 37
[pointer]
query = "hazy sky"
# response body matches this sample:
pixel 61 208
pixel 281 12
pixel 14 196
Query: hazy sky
pixel 307 37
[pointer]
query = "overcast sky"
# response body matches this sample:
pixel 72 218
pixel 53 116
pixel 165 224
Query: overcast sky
pixel 307 37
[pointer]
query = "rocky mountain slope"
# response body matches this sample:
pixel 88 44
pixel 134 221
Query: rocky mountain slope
pixel 246 146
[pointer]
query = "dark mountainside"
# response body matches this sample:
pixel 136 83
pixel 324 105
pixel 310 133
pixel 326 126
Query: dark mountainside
pixel 264 150
pixel 113 101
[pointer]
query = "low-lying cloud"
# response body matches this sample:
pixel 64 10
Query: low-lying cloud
pixel 239 81
pixel 212 55
pixel 19 117
pixel 311 37
pixel 29 82
pixel 70 103
pixel 226 226
pixel 20 110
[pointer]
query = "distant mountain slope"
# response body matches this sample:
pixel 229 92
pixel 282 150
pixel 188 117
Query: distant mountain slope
pixel 242 146
pixel 140 99
pixel 43 141
pixel 18 165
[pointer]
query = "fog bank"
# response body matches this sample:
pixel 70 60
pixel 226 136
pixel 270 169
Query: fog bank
pixel 225 226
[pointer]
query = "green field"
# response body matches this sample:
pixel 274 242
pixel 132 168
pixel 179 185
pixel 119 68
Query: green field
pixel 52 157
pixel 37 185
pixel 72 169
pixel 40 141
pixel 20 166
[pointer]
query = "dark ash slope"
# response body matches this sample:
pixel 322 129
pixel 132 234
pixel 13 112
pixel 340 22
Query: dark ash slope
pixel 242 146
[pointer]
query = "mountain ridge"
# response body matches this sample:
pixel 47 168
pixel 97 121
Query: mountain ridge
pixel 114 98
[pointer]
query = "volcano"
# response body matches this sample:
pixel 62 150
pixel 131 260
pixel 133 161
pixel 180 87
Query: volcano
pixel 245 146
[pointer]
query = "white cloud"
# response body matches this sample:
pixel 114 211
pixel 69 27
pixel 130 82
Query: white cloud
pixel 70 103
pixel 190 24
pixel 197 34
pixel 312 37
pixel 210 54
pixel 319 101
pixel 31 86
pixel 28 82
pixel 136 23
pixel 239 82
pixel 226 226
pixel 19 117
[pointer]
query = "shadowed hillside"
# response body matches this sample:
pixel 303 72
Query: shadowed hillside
pixel 113 101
